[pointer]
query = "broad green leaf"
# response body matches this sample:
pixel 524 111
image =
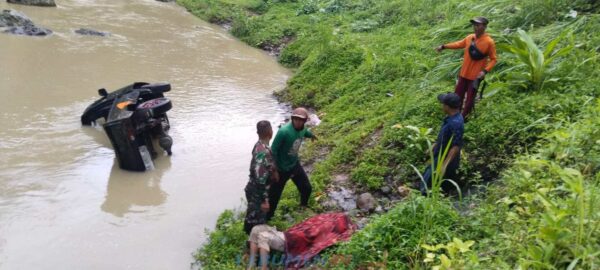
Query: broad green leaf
pixel 446 262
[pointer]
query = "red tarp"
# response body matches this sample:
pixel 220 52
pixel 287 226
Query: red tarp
pixel 308 238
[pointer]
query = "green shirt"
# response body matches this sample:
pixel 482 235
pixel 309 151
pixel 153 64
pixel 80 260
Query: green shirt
pixel 286 145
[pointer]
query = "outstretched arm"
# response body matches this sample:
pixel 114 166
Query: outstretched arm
pixel 461 44
pixel 453 45
pixel 309 134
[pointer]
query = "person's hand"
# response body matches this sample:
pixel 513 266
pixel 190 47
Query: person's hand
pixel 275 176
pixel 265 206
pixel 314 138
pixel 481 75
pixel 439 48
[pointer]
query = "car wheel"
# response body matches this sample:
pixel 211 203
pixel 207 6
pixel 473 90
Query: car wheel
pixel 158 106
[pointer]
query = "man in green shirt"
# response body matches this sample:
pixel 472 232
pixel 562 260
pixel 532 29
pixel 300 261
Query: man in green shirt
pixel 285 148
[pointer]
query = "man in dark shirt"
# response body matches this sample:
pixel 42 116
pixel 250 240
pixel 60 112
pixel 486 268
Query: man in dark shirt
pixel 450 137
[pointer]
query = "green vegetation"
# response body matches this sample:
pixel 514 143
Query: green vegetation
pixel 370 67
pixel 535 59
pixel 228 238
pixel 544 214
pixel 395 238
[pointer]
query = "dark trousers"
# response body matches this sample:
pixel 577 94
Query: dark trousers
pixel 299 178
pixel 451 173
pixel 464 86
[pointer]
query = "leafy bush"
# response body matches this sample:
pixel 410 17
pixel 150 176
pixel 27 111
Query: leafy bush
pixel 544 213
pixel 538 62
pixel 395 238
pixel 308 7
pixel 225 244
pixel 453 257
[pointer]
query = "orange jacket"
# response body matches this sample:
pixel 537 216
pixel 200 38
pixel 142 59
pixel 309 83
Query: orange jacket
pixel 471 68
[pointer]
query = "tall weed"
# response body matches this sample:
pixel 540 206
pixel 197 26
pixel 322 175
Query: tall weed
pixel 537 61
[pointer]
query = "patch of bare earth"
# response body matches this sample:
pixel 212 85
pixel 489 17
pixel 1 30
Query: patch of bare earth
pixel 343 194
pixel 275 48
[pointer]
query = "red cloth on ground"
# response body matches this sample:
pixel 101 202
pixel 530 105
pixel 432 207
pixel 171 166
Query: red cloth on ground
pixel 308 238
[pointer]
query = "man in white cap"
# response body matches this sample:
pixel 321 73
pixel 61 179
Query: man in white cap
pixel 285 149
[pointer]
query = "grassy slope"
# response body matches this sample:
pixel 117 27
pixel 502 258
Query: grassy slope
pixel 544 214
pixel 350 54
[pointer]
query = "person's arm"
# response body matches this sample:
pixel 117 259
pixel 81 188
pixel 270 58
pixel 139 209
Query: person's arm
pixel 309 134
pixel 272 166
pixel 264 258
pixel 276 145
pixel 491 63
pixel 454 45
pixel 262 169
pixel 451 155
pixel 264 206
pixel 457 143
pixel 492 56
pixel 253 253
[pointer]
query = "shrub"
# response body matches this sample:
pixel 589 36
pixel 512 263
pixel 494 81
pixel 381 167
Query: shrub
pixel 395 238
pixel 225 244
pixel 538 62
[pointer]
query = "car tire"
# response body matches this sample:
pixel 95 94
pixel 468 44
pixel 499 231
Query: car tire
pixel 158 106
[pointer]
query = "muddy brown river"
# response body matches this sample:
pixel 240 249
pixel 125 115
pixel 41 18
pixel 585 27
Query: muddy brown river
pixel 64 202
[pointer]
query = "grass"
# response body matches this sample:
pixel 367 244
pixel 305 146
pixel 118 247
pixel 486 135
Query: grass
pixel 393 240
pixel 370 67
pixel 544 214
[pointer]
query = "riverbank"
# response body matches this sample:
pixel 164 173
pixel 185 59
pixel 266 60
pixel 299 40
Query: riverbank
pixel 370 69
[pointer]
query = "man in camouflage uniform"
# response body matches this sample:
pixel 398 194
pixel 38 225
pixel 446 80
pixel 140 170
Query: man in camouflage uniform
pixel 262 172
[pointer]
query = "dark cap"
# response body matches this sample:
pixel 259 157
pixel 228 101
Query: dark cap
pixel 450 99
pixel 481 20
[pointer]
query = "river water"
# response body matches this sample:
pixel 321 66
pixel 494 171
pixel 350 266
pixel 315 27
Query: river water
pixel 64 203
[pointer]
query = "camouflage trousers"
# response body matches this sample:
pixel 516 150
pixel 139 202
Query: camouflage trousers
pixel 254 215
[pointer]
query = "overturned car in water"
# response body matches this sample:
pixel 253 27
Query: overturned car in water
pixel 134 115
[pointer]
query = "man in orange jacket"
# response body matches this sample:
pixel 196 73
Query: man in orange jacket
pixel 479 59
